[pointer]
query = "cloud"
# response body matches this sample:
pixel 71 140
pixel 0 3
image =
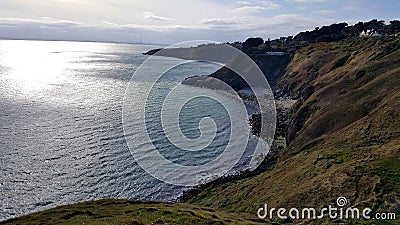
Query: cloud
pixel 269 5
pixel 248 9
pixel 105 31
pixel 157 28
pixel 212 28
pixel 287 24
pixel 309 1
pixel 217 21
pixel 255 7
pixel 273 27
pixel 350 8
pixel 47 22
pixel 152 16
pixel 223 21
pixel 44 22
pixel 237 24
pixel 324 12
pixel 244 3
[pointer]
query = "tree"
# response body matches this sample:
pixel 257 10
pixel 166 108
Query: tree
pixel 393 27
pixel 374 25
pixel 252 43
pixel 395 23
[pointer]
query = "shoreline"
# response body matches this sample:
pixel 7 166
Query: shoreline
pixel 279 145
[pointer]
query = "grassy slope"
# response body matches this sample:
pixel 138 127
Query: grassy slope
pixel 344 134
pixel 120 212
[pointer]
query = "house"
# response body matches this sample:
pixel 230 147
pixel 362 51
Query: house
pixel 274 53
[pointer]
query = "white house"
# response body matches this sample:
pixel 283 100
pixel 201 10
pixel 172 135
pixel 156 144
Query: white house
pixel 274 53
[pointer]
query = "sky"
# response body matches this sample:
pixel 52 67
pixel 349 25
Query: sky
pixel 170 22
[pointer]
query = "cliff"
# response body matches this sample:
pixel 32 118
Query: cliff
pixel 343 132
pixel 273 67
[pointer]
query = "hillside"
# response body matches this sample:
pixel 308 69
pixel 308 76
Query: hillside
pixel 120 212
pixel 343 134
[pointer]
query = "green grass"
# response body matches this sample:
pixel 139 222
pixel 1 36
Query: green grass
pixel 120 212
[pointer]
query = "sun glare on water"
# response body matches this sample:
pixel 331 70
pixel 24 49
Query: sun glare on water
pixel 32 68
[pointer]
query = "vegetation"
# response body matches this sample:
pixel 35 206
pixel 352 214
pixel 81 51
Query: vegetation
pixel 120 212
pixel 334 32
pixel 251 43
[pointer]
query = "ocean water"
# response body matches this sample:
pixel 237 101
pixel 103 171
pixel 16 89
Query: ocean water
pixel 61 134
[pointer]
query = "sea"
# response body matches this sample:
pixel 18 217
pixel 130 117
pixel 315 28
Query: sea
pixel 62 137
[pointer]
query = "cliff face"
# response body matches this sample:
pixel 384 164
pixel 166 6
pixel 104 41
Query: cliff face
pixel 341 83
pixel 343 134
pixel 273 66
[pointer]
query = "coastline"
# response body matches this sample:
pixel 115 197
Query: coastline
pixel 343 140
pixel 279 145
